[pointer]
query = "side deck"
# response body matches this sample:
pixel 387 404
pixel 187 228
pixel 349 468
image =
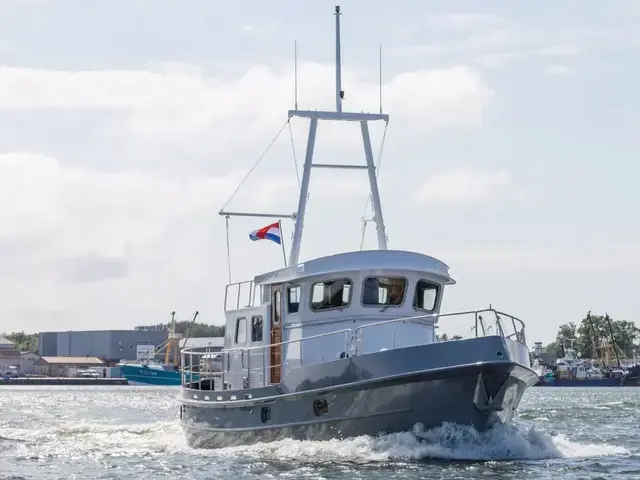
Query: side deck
pixel 250 368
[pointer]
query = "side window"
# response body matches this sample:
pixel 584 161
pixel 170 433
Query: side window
pixel 277 307
pixel 293 299
pixel 256 328
pixel 383 291
pixel 241 331
pixel 331 294
pixel 426 296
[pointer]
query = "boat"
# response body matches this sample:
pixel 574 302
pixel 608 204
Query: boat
pixel 573 371
pixel 345 345
pixel 146 370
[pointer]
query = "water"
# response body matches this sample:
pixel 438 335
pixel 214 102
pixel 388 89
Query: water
pixel 133 432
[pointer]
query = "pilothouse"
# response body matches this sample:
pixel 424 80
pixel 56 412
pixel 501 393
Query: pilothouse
pixel 346 344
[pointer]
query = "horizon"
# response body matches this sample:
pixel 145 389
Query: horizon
pixel 509 154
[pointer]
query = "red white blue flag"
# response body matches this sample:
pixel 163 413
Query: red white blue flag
pixel 270 232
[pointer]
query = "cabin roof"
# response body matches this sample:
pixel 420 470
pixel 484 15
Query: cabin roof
pixel 369 260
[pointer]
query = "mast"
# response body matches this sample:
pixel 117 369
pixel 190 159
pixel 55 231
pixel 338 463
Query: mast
pixel 613 339
pixel 314 116
pixel 339 92
pixel 338 115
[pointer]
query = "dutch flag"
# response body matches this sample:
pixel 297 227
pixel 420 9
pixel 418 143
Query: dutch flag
pixel 270 232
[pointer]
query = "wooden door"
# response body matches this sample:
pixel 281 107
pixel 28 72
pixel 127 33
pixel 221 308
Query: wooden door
pixel 275 336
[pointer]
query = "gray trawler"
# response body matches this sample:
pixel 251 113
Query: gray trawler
pixel 346 345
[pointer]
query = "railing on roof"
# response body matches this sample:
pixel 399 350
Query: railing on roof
pixel 199 373
pixel 242 295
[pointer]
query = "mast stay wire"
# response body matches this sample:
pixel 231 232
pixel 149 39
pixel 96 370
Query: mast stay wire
pixel 295 163
pixel 256 164
pixel 293 148
pixel 378 163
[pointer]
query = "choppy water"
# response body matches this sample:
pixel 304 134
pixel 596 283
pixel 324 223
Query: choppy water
pixel 133 432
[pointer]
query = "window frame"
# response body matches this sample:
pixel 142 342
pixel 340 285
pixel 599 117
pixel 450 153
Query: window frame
pixel 253 319
pixel 235 335
pixel 277 306
pixel 407 284
pixel 288 290
pixel 346 280
pixel 415 295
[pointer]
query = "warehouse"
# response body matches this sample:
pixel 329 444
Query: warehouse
pixel 9 355
pixel 66 366
pixel 108 345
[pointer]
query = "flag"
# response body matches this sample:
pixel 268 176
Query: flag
pixel 270 232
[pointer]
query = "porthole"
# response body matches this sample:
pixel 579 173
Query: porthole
pixel 320 407
pixel 265 414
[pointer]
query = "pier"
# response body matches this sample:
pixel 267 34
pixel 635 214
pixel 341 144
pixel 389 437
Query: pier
pixel 63 381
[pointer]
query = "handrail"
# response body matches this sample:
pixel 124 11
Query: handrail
pixel 439 315
pixel 352 345
pixel 250 298
pixel 271 345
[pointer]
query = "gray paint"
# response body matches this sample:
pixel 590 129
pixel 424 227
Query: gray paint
pixel 48 344
pixel 109 345
pixel 387 391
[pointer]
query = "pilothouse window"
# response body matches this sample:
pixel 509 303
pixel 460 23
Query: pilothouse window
pixel 426 296
pixel 383 291
pixel 241 331
pixel 293 299
pixel 331 294
pixel 256 328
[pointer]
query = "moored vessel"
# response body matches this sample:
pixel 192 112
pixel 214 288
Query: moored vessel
pixel 147 370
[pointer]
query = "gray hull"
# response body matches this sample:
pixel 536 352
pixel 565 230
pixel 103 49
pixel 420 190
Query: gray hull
pixel 384 392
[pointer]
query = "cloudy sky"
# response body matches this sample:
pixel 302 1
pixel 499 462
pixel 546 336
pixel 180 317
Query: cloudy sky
pixel 125 126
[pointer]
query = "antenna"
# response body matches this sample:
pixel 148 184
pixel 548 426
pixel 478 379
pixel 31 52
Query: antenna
pixel 295 72
pixel 339 92
pixel 380 78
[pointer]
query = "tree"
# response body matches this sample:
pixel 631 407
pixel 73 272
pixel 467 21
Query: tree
pixel 596 334
pixel 567 334
pixel 24 342
pixel 553 348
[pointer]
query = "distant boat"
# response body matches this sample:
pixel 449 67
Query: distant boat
pixel 571 371
pixel 145 370
pixel 151 374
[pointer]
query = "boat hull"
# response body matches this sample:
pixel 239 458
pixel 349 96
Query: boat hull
pixel 369 397
pixel 143 375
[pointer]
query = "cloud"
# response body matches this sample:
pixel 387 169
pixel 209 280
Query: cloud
pixel 465 21
pixel 72 213
pixel 179 105
pixel 464 186
pixel 91 268
pixel 558 70
pixel 586 256
pixel 559 50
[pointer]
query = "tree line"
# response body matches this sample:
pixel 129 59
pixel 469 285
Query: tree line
pixel 592 336
pixel 24 342
pixel 198 329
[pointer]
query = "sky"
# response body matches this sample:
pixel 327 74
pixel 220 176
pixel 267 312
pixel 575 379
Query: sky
pixel 125 126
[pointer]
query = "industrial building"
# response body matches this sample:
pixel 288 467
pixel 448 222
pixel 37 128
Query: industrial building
pixel 66 366
pixel 9 355
pixel 108 345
